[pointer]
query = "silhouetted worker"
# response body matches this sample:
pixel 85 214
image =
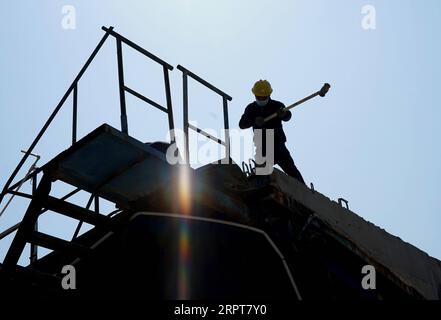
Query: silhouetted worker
pixel 254 116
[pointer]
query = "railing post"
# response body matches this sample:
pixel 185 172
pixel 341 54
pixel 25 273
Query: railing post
pixel 227 129
pixel 171 124
pixel 34 249
pixel 185 104
pixel 75 112
pixel 225 98
pixel 122 96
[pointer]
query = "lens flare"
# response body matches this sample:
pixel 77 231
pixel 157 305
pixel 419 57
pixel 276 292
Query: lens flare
pixel 184 235
pixel 184 190
pixel 184 262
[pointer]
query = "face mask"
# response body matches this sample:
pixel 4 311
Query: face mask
pixel 262 103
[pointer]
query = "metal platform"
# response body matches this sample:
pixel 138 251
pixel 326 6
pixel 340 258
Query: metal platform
pixel 113 165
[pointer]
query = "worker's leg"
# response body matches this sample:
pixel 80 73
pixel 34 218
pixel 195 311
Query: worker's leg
pixel 283 158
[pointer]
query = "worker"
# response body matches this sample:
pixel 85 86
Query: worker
pixel 254 116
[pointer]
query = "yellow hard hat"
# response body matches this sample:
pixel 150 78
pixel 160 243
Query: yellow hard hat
pixel 262 88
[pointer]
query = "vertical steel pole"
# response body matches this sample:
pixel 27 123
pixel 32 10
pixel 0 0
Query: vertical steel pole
pixel 185 102
pixel 227 129
pixel 34 249
pixel 122 96
pixel 171 124
pixel 74 115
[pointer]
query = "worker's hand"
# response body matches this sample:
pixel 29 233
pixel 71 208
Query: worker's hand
pixel 281 113
pixel 259 121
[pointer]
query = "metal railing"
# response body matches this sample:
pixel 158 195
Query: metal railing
pixel 123 88
pixel 13 189
pixel 73 89
pixel 225 98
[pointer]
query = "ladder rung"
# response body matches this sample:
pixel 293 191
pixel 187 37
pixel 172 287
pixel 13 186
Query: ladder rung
pixel 37 276
pixel 53 243
pixel 74 211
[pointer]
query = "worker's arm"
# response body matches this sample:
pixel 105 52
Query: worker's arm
pixel 283 114
pixel 247 119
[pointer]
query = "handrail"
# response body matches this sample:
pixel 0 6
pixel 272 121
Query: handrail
pixel 123 88
pixel 10 230
pixel 206 134
pixel 205 83
pixel 225 98
pixel 145 99
pixel 136 47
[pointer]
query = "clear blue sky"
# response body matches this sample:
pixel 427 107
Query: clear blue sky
pixel 374 140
